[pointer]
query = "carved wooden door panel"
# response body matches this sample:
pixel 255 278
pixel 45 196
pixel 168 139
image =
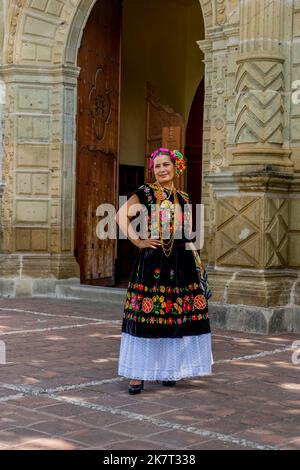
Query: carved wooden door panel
pixel 97 138
pixel 164 128
pixel 172 138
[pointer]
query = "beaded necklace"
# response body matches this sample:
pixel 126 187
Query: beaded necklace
pixel 164 205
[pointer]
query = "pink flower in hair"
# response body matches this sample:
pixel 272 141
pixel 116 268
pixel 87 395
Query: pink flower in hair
pixel 174 154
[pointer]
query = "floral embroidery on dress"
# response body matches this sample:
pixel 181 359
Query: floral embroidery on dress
pixel 165 321
pixel 161 305
pixel 147 191
pixel 156 273
pixel 185 196
pixel 147 305
pixel 200 301
pixel 158 293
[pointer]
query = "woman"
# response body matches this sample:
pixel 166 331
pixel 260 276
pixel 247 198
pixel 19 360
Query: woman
pixel 166 332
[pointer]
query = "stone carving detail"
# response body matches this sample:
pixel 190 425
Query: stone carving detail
pixel 100 104
pixel 221 12
pixel 218 160
pixel 276 233
pixel 218 137
pixel 252 232
pixel 259 105
pixel 238 232
pixel 18 5
pixel 26 46
pixel 50 7
pixel 8 197
pixel 8 171
pixel 207 12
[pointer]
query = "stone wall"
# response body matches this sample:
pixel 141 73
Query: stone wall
pixel 251 154
pixel 37 222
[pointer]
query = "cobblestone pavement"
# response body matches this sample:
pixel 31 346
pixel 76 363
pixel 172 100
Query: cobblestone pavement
pixel 59 387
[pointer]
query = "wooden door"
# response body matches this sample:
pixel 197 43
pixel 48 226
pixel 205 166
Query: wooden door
pixel 172 138
pixel 164 128
pixel 97 138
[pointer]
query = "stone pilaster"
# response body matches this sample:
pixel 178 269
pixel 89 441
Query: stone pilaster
pixel 260 88
pixel 37 222
pixel 220 49
pixel 3 7
pixel 252 281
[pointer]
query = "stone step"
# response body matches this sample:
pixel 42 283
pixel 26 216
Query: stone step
pixel 105 295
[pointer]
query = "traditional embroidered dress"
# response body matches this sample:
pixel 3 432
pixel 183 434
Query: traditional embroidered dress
pixel 165 332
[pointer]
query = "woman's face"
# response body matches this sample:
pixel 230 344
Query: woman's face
pixel 164 169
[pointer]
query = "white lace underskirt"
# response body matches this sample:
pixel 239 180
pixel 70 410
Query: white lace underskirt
pixel 165 358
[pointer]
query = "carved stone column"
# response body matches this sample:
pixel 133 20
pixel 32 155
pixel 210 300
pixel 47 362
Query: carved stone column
pixel 260 87
pixel 251 280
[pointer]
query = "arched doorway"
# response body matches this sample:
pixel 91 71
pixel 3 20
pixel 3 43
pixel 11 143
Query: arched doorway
pixel 97 138
pixel 102 171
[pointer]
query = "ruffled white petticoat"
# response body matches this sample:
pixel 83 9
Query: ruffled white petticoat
pixel 165 358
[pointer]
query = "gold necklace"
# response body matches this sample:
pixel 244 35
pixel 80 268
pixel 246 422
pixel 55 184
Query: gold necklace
pixel 165 204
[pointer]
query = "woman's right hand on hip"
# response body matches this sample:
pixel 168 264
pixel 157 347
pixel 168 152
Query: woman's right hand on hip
pixel 149 243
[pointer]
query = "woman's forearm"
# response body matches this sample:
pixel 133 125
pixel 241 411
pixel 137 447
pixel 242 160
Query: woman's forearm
pixel 126 227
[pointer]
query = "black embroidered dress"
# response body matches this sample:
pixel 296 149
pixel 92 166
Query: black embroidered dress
pixel 165 331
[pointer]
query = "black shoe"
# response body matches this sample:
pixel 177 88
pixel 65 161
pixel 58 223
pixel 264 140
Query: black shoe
pixel 134 389
pixel 169 383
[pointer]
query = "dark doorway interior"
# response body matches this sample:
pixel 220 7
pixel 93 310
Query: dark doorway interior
pixel 193 148
pixel 130 178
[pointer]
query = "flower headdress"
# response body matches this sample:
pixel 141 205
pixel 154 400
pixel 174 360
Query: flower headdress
pixel 178 158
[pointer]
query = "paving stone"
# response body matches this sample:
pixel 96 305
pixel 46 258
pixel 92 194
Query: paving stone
pixel 254 398
pixel 17 436
pixel 176 438
pixel 100 438
pixel 137 444
pixel 133 428
pixel 57 427
pixel 216 445
pixel 49 443
pixel 292 445
pixel 265 436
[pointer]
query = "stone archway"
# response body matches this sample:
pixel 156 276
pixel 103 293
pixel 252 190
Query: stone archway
pixel 40 74
pixel 62 24
pixel 247 162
